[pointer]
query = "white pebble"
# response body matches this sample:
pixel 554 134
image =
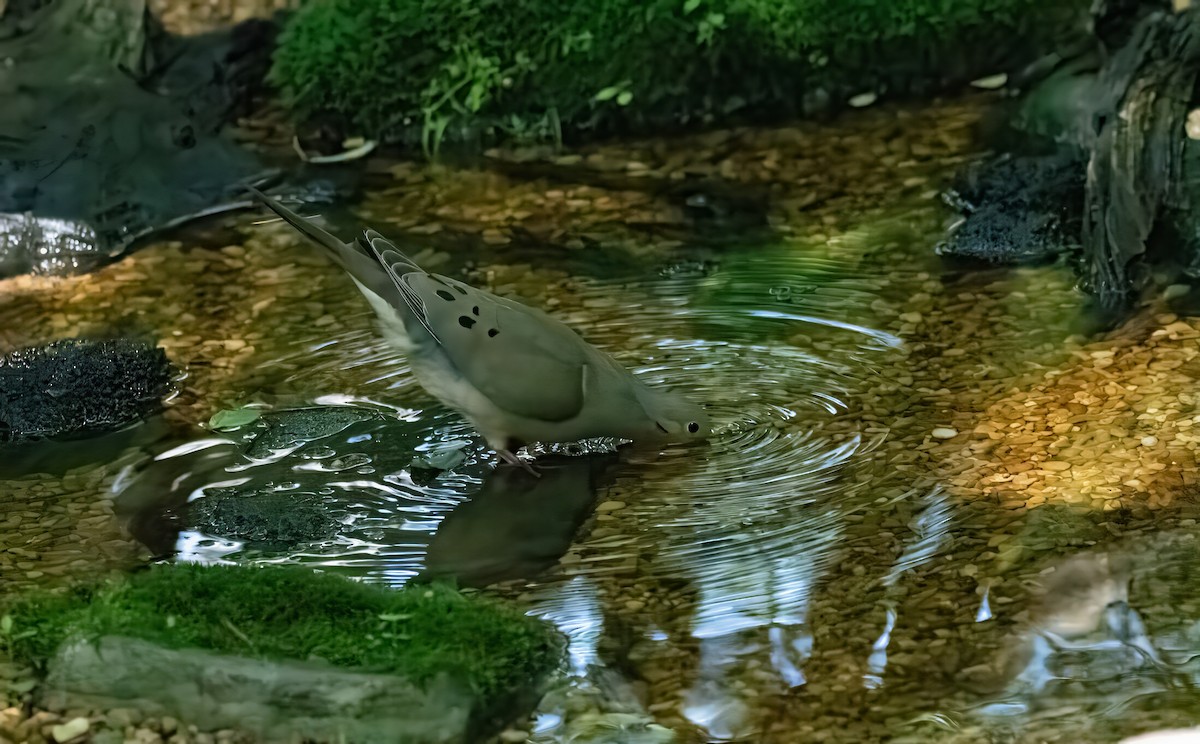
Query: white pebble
pixel 1149 441
pixel 944 432
pixel 863 99
pixel 992 82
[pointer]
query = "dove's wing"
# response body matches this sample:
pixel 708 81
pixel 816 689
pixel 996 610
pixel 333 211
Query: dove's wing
pixel 524 361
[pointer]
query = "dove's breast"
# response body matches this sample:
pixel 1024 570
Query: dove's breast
pixel 610 409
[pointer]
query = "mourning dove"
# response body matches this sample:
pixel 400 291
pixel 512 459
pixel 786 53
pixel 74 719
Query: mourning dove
pixel 516 374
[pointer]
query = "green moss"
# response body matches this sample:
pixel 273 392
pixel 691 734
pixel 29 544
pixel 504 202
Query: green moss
pixel 294 613
pixel 531 69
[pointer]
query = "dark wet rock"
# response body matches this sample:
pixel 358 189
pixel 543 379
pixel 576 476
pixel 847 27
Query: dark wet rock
pixel 111 129
pixel 287 430
pixel 517 525
pixel 263 520
pixel 57 457
pixel 79 387
pixel 1017 209
pixel 1061 108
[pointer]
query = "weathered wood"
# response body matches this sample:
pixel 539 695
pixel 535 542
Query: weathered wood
pixel 1136 165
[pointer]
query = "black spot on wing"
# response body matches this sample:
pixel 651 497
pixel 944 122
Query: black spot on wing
pixel 466 322
pixel 445 295
pixel 492 332
pixel 475 310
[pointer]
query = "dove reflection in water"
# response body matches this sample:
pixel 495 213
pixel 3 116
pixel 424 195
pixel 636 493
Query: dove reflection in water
pixel 516 525
pixel 1083 607
pixel 517 374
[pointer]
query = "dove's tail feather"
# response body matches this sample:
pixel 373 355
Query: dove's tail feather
pixel 372 262
pixel 306 227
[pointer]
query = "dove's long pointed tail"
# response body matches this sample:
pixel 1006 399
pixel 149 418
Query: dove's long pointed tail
pixel 306 227
pixel 372 263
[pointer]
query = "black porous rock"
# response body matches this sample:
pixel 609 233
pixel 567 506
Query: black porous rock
pixel 264 519
pixel 1017 209
pixel 79 387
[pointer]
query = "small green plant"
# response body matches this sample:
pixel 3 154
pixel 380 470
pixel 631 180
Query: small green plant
pixel 463 68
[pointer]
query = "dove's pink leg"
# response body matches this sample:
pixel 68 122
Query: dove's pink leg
pixel 512 459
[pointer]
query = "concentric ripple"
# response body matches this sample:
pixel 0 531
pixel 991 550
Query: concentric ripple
pixel 775 340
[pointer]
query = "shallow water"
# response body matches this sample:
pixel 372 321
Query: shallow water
pixel 853 557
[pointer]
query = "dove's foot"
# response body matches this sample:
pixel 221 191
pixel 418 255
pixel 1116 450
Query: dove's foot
pixel 512 459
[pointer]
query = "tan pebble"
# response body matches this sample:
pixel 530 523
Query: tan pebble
pixel 1149 441
pixel 235 344
pixel 610 506
pixel 1056 465
pixel 634 605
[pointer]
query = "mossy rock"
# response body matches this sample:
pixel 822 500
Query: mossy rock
pixel 478 657
pixel 543 70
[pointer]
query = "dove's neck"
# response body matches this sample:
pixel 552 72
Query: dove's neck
pixel 657 404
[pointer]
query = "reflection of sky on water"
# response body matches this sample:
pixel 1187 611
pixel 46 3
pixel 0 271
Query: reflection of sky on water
pixel 931 530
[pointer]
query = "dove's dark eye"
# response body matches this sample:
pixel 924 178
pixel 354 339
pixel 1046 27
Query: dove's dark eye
pixel 693 427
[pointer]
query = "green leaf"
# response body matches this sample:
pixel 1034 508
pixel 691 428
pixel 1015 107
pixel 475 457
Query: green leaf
pixel 442 457
pixel 229 420
pixel 690 5
pixel 6 624
pixel 624 98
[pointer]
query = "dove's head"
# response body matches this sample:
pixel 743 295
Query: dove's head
pixel 675 417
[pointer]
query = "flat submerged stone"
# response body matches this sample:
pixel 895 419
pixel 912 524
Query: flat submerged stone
pixel 277 700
